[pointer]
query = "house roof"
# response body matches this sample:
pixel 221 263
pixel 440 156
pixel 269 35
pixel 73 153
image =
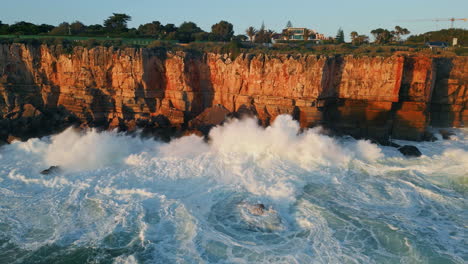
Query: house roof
pixel 436 43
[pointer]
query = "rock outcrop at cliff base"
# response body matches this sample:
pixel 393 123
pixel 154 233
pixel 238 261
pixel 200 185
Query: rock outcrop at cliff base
pixel 44 89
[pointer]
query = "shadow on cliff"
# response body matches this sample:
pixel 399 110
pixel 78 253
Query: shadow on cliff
pixel 153 87
pixel 355 117
pixel 101 106
pixel 30 110
pixel 19 80
pixel 416 108
pixel 199 79
pixel 407 114
pixel 443 111
pixel 148 97
pixel 329 102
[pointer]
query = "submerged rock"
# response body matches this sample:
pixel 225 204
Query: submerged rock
pixel 446 134
pixel 256 209
pixel 410 151
pixel 387 143
pixel 428 136
pixel 51 170
pixel 257 217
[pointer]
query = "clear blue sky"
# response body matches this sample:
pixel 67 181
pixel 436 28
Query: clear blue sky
pixel 325 16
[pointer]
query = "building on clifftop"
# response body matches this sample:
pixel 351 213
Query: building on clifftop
pixel 300 34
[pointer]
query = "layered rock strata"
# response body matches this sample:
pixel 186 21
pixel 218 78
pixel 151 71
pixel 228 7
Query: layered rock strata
pixel 44 88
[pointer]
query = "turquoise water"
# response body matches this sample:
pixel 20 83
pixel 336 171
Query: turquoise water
pixel 123 199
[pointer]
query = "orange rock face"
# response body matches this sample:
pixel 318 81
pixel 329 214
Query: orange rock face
pixel 449 105
pixel 366 97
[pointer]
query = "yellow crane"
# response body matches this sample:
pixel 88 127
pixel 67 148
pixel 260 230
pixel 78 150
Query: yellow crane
pixel 452 20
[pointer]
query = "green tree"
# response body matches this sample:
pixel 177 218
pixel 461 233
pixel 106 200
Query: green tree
pixel 169 28
pixel 223 30
pixel 357 39
pixel 153 29
pixel 24 28
pixel 251 32
pixel 201 36
pixel 95 30
pixel 289 24
pixel 360 39
pixel 117 23
pixel 263 35
pixel 363 39
pixel 340 38
pixel 44 28
pixel 445 35
pixel 61 30
pixel 171 36
pixel 186 31
pixel 399 31
pixel 3 28
pixel 77 28
pixel 382 36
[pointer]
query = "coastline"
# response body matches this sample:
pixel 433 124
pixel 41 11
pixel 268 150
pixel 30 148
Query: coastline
pixel 174 93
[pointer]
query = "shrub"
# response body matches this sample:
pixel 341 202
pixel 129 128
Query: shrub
pixel 461 51
pixel 91 43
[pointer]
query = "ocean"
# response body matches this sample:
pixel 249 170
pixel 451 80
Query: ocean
pixel 246 195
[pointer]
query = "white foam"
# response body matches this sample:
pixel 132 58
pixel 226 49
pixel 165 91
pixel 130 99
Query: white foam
pixel 126 192
pixel 331 196
pixel 244 139
pixel 368 151
pixel 125 260
pixel 91 150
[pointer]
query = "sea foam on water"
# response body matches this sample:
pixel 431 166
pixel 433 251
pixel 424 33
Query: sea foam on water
pixel 326 200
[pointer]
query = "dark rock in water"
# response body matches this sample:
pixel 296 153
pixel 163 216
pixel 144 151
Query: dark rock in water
pixel 257 209
pixel 393 144
pixel 428 136
pixel 410 151
pixel 446 134
pixel 387 143
pixel 51 170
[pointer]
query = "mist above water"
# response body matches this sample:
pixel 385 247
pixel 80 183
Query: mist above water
pixel 125 199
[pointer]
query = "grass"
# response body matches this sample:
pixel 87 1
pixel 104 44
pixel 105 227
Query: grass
pixel 127 41
pixel 68 43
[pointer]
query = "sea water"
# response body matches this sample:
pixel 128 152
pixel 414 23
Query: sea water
pixel 124 199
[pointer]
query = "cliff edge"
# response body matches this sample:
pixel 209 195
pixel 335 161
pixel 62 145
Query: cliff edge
pixel 43 90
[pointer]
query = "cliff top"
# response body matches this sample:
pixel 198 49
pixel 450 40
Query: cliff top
pixel 236 48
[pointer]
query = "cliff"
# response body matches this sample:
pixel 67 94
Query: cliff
pixel 43 89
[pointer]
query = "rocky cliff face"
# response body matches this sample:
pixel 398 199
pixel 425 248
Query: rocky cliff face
pixel 43 88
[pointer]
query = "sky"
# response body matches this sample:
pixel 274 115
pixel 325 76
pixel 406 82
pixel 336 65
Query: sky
pixel 325 16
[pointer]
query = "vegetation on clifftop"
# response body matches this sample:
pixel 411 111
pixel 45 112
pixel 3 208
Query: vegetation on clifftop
pixel 446 35
pixel 114 32
pixel 234 48
pixel 116 26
